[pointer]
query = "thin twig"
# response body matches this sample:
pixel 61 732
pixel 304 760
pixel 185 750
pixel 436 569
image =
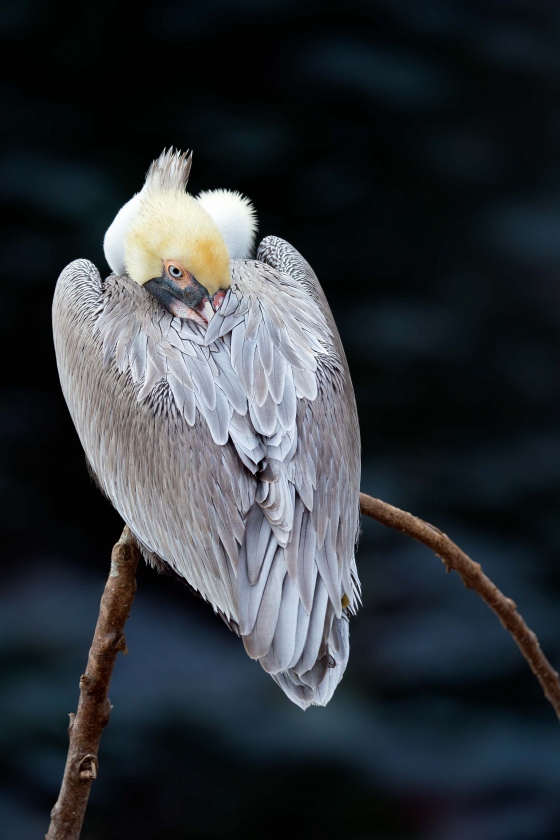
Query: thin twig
pixel 474 578
pixel 94 707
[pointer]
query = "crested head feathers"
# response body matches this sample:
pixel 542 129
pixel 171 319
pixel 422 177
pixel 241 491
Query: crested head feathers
pixel 170 172
pixel 163 222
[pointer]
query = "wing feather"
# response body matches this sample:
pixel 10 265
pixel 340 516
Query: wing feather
pixel 257 537
pixel 276 377
pixel 288 407
pixel 281 651
pixel 313 649
pixel 258 641
pixel 265 348
pixel 308 564
pixel 302 630
pixel 292 550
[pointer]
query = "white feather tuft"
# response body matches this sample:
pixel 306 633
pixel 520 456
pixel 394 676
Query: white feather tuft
pixel 236 219
pixel 113 244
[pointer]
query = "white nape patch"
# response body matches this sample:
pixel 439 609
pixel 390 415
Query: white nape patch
pixel 236 219
pixel 113 244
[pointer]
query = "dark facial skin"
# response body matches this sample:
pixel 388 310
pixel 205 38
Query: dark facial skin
pixel 181 293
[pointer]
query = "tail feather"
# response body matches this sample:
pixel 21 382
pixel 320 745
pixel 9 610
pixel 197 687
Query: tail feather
pixel 301 643
pixel 317 686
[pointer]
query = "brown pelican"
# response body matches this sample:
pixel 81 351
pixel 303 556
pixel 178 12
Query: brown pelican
pixel 212 397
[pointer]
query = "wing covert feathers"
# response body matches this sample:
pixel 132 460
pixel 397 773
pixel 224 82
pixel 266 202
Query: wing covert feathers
pixel 232 453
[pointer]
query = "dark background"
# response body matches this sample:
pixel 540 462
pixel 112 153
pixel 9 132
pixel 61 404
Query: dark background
pixel 410 149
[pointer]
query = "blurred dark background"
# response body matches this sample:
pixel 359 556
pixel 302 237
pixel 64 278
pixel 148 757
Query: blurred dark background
pixel 410 149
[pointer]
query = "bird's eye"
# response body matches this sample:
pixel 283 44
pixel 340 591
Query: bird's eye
pixel 174 271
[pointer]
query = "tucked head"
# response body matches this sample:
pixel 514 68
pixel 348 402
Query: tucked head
pixel 174 245
pixel 174 249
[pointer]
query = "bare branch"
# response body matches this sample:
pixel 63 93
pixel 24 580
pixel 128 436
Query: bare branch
pixel 94 707
pixel 474 578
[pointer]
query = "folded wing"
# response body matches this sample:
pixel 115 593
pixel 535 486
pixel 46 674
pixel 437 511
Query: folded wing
pixel 232 453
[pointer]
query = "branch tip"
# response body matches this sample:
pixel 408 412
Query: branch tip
pixel 474 578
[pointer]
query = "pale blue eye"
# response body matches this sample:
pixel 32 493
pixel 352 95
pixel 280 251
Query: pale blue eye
pixel 174 271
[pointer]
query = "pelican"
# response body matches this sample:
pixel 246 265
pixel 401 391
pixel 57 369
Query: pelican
pixel 212 398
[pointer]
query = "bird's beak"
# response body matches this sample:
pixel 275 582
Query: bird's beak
pixel 185 298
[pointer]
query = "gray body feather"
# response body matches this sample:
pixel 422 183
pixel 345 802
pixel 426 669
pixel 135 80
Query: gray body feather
pixel 231 452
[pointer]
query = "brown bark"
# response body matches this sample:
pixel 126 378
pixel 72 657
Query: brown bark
pixel 94 707
pixel 474 578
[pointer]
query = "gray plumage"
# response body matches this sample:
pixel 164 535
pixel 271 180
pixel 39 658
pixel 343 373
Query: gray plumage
pixel 232 451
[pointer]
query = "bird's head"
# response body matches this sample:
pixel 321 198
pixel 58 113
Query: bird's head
pixel 174 249
pixel 169 243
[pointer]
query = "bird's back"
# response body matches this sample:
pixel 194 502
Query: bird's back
pixel 232 452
